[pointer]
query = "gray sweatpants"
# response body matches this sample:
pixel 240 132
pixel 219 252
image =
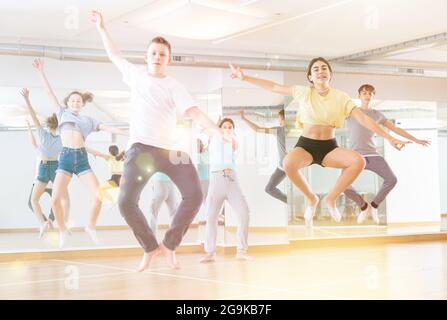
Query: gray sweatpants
pixel 272 186
pixel 225 188
pixel 163 191
pixel 142 161
pixel 378 165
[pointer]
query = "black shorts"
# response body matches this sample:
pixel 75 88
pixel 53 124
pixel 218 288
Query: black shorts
pixel 318 149
pixel 116 178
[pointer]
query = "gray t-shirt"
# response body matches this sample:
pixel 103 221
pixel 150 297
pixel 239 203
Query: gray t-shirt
pixel 280 133
pixel 360 139
pixel 49 145
pixel 84 124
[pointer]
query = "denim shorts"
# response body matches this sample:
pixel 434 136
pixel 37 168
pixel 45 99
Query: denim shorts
pixel 47 171
pixel 73 161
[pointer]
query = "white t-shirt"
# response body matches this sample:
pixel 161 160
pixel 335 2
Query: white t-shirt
pixel 155 104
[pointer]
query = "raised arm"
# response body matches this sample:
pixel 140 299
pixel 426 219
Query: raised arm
pixel 31 136
pixel 254 126
pixel 38 65
pixel 403 133
pixel 122 132
pixel 113 52
pixel 370 124
pixel 25 94
pixel 237 73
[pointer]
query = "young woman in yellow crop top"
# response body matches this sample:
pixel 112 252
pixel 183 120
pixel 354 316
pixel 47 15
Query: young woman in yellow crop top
pixel 322 109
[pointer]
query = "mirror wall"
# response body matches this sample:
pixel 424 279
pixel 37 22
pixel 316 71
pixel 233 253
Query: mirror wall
pixel 271 221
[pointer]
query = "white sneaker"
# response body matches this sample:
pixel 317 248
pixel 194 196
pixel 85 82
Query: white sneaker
pixel 209 257
pixel 335 214
pixel 243 256
pixel 62 238
pixel 363 214
pixel 375 214
pixel 92 233
pixel 43 229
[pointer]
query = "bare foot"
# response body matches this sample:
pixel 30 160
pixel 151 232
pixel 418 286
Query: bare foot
pixel 170 256
pixel 332 207
pixel 330 202
pixel 313 202
pixel 147 258
pixel 311 208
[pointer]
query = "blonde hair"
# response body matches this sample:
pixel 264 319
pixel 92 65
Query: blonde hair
pixel 51 122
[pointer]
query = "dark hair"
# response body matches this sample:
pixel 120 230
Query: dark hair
pixel 86 97
pixel 162 41
pixel 51 122
pixel 311 63
pixel 226 120
pixel 367 87
pixel 281 113
pixel 115 151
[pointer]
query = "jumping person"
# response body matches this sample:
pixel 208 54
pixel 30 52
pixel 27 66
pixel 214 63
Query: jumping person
pixel 115 160
pixel 361 140
pixel 156 97
pixel 74 129
pixel 322 109
pixel 49 146
pixel 280 133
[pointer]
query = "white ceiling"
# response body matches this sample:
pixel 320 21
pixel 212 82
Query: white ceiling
pixel 298 29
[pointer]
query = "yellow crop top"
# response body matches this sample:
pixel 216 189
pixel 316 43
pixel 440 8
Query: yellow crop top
pixel 330 110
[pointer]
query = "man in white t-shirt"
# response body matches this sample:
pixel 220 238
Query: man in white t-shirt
pixel 156 99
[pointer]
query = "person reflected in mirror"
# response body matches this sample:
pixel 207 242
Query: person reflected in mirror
pixel 361 140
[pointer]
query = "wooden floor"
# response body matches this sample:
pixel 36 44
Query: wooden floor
pixel 416 270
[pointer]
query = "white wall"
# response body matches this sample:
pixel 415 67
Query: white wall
pixel 387 87
pixel 17 72
pixel 442 140
pixel 416 197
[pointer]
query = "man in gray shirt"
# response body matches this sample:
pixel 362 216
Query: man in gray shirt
pixel 361 140
pixel 272 186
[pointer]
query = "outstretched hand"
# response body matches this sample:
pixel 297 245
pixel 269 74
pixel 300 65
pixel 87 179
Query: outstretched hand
pixel 25 93
pixel 424 143
pixel 38 64
pixel 242 114
pixel 236 72
pixel 398 144
pixel 96 18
